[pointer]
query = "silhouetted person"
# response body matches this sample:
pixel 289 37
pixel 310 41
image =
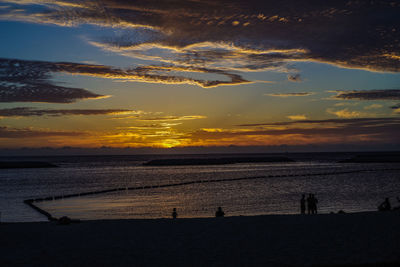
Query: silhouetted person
pixel 385 205
pixel 314 204
pixel 174 213
pixel 309 204
pixel 303 204
pixel 397 207
pixel 219 212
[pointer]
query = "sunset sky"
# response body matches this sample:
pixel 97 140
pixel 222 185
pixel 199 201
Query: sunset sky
pixel 177 73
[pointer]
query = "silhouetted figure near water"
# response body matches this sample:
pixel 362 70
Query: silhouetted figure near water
pixel 303 204
pixel 397 207
pixel 385 205
pixel 309 203
pixel 174 213
pixel 219 212
pixel 314 203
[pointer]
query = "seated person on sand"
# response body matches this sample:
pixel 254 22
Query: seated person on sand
pixel 219 212
pixel 397 207
pixel 385 205
pixel 174 214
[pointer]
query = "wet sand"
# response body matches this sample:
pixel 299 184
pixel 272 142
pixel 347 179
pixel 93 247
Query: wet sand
pixel 360 239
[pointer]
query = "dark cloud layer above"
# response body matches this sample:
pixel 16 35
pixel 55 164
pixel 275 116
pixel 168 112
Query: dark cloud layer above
pixel 348 33
pixel 30 81
pixel 7 132
pixel 385 94
pixel 27 112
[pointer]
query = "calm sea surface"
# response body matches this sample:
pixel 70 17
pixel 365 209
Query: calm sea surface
pixel 352 192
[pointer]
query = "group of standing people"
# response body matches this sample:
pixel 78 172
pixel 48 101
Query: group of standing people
pixel 385 205
pixel 311 202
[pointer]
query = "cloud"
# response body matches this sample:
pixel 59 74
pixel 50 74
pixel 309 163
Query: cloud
pixel 373 106
pixel 345 113
pixel 156 126
pixel 220 55
pixel 381 94
pixel 349 34
pixel 27 112
pixel 175 118
pixel 7 132
pixel 300 132
pixel 294 78
pixel 297 117
pixel 29 81
pixel 332 131
pixel 356 122
pixel 369 95
pixel 290 94
pixel 396 108
pixel 341 104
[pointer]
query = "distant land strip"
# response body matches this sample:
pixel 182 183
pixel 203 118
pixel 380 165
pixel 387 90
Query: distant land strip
pixel 30 202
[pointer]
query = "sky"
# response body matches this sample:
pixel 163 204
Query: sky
pixel 199 73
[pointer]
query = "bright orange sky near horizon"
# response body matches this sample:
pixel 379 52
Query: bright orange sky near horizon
pixel 177 73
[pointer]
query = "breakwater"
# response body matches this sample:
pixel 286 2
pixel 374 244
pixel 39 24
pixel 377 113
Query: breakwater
pixel 214 161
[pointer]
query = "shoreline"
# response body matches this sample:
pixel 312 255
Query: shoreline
pixel 264 240
pixel 370 212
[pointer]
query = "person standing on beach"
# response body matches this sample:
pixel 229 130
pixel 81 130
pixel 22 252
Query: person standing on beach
pixel 303 204
pixel 174 213
pixel 219 212
pixel 309 204
pixel 385 206
pixel 314 202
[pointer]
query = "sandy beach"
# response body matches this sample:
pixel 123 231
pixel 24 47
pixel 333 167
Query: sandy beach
pixel 364 239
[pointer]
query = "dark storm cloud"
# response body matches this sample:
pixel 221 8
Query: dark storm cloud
pixel 29 81
pixel 7 132
pixel 383 94
pixel 27 112
pixel 353 34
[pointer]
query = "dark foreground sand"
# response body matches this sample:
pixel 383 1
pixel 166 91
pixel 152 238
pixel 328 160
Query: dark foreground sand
pixel 292 240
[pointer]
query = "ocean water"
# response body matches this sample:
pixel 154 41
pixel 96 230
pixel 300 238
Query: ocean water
pixel 278 194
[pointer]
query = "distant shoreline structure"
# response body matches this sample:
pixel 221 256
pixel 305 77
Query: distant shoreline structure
pixel 214 161
pixel 25 164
